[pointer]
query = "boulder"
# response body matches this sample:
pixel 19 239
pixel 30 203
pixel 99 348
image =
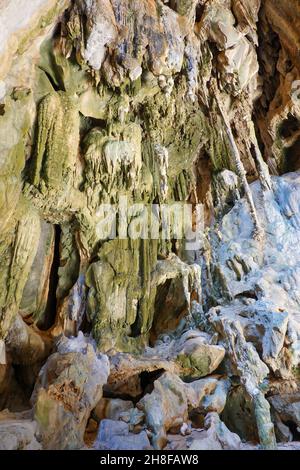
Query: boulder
pixel 211 395
pixel 198 359
pixel 238 414
pixel 286 408
pixel 168 407
pixel 68 387
pixel 17 434
pixel 165 408
pixel 111 408
pixel 135 419
pixel 115 435
pixel 190 355
pixel 216 437
pixel 126 369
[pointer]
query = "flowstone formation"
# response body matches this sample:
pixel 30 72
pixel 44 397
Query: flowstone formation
pixel 118 330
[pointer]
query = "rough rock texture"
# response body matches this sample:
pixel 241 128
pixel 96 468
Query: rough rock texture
pixel 167 407
pixel 190 356
pixel 218 437
pixel 18 431
pixel 111 408
pixel 68 388
pixel 114 435
pixel 213 436
pixel 145 107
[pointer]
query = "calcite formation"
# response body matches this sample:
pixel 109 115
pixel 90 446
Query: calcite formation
pixel 123 326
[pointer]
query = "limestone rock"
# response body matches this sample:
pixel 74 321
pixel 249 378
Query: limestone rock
pixel 101 30
pixel 238 414
pixel 198 359
pixel 25 345
pixel 167 407
pixel 135 419
pixel 246 12
pixel 287 408
pixel 115 435
pixel 218 436
pixel 111 408
pixel 192 352
pixel 226 186
pixel 190 356
pixel 17 25
pixel 68 388
pixel 249 275
pixel 35 294
pixel 215 396
pixel 18 435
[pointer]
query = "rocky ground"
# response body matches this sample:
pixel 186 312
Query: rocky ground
pixel 149 343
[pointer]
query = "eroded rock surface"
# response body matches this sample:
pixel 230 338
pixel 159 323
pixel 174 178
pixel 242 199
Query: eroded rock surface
pixel 115 435
pixel 68 388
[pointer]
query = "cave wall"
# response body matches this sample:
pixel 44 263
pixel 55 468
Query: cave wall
pixel 88 83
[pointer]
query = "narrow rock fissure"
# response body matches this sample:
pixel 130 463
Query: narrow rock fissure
pixel 49 316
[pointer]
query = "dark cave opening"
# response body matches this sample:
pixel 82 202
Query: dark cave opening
pixel 295 430
pixel 248 294
pixel 108 393
pixel 169 308
pixel 171 4
pixel 148 378
pixel 292 157
pixel 142 382
pixel 50 311
pixel 54 85
pixel 25 377
pixel 87 124
pixel 136 327
pixel 268 55
pixel 199 12
pixel 14 394
pixel 289 126
pixel 174 5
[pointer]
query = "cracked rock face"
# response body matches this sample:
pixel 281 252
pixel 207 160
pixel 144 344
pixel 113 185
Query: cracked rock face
pixel 115 334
